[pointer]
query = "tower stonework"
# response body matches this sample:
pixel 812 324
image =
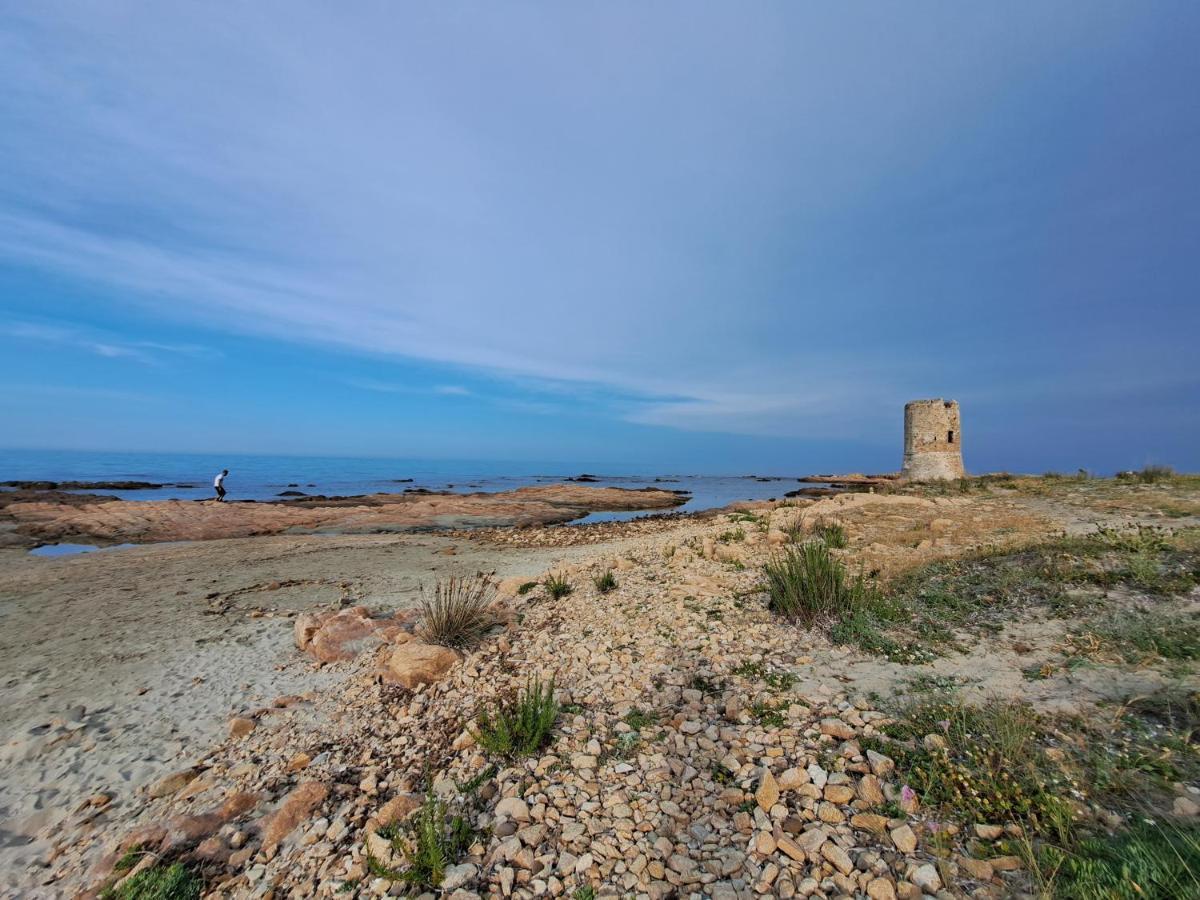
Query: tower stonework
pixel 932 441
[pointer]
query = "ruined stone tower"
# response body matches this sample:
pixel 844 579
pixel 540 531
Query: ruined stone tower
pixel 932 441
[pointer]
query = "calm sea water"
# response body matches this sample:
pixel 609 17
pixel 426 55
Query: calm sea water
pixel 190 476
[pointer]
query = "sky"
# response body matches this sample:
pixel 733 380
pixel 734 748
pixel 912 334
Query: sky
pixel 690 236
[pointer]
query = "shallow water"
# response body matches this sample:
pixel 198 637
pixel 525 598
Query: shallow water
pixel 189 476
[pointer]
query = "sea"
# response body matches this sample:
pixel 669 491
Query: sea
pixel 189 476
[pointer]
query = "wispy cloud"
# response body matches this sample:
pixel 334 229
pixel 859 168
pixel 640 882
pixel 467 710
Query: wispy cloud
pixel 99 344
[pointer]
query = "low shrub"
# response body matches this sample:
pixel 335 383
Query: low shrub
pixel 458 612
pixel 430 841
pixel 1147 861
pixel 520 725
pixel 557 586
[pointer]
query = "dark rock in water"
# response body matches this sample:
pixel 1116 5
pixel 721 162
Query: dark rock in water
pixel 584 478
pixel 292 484
pixel 417 491
pixel 291 494
pixel 81 485
pixel 815 492
pixel 400 481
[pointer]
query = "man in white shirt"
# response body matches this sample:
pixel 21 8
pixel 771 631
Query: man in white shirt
pixel 219 484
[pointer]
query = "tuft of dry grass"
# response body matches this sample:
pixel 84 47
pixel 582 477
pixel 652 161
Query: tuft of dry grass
pixel 459 611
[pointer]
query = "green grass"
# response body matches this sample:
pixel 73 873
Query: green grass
pixel 936 604
pixel 1000 762
pixel 458 612
pixel 526 587
pixel 557 586
pixel 833 534
pixel 1148 861
pixel 605 582
pixel 587 892
pixel 519 726
pixel 173 882
pixel 1142 636
pixel 808 586
pixel 992 767
pixel 769 715
pixel 732 536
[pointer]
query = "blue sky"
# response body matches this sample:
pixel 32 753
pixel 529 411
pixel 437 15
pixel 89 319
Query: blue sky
pixel 691 236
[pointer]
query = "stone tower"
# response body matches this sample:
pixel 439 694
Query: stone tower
pixel 932 441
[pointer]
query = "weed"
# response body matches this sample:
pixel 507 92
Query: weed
pixel 720 774
pixel 605 582
pixel 587 892
pixel 1149 475
pixel 732 536
pixel 526 587
pixel 521 725
pixel 769 715
pixel 468 788
pixel 557 586
pixel 173 882
pixel 778 680
pixel 705 685
pixel 437 842
pixel 638 719
pixel 459 612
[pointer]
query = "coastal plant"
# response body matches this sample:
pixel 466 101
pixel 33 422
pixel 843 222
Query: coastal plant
pixel 173 882
pixel 1149 635
pixel 807 585
pixel 526 588
pixel 833 534
pixel 520 725
pixel 734 535
pixel 1150 859
pixel 557 586
pixel 459 611
pixel 435 840
pixel 605 582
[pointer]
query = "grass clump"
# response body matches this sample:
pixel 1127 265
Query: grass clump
pixel 520 725
pixel 526 588
pixel 732 536
pixel 605 582
pixel 832 534
pixel 1149 475
pixel 557 586
pixel 458 612
pixel 776 679
pixel 809 586
pixel 173 882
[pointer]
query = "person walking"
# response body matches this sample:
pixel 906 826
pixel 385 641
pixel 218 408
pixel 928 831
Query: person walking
pixel 219 484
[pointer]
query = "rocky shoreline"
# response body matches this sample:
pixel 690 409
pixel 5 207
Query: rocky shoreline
pixel 29 518
pixel 705 746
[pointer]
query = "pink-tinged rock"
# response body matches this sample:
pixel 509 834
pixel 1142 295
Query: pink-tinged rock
pixel 296 808
pixel 415 663
pixel 339 635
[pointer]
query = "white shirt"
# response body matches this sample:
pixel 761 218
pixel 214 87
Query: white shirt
pixel 219 480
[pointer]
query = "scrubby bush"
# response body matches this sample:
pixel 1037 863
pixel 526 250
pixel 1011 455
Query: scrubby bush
pixel 520 725
pixel 459 611
pixel 833 534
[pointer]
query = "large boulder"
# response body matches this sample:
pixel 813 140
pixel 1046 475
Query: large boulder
pixel 414 663
pixel 337 635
